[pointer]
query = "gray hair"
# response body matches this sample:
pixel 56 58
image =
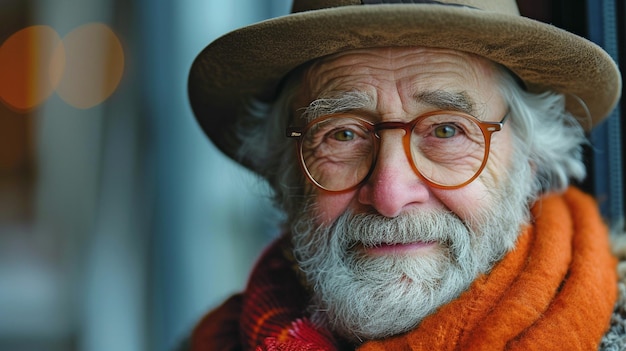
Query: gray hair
pixel 548 136
pixel 270 153
pixel 551 138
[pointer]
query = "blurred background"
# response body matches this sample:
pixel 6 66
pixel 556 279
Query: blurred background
pixel 120 223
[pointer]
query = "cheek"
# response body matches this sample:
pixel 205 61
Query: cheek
pixel 477 196
pixel 329 206
pixel 467 201
pixel 500 157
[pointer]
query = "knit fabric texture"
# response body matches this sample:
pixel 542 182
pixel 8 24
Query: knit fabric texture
pixel 555 291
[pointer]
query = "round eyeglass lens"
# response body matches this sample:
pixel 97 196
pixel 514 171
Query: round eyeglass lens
pixel 338 152
pixel 447 149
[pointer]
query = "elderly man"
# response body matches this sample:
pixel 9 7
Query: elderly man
pixel 422 154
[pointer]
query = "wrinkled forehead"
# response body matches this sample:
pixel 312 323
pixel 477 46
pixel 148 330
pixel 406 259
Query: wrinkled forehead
pixel 406 71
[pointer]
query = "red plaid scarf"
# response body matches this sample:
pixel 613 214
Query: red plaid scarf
pixel 555 291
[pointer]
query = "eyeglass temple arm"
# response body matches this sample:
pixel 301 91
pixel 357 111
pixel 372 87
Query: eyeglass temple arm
pixel 496 126
pixel 506 117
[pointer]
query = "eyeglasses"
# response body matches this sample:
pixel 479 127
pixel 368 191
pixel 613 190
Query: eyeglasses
pixel 447 149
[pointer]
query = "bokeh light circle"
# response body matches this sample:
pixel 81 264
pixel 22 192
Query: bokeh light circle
pixel 93 61
pixel 25 77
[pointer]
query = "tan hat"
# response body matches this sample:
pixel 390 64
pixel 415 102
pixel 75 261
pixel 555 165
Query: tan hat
pixel 251 61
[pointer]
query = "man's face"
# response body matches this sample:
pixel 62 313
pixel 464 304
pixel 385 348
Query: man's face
pixel 395 79
pixel 437 240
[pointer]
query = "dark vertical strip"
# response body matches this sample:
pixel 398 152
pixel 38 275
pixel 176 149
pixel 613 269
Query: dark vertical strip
pixel 606 138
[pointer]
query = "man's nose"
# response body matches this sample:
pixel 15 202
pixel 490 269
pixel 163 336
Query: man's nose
pixel 393 186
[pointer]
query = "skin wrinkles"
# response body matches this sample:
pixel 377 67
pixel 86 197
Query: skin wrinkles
pixel 357 102
pixel 404 83
pixel 326 75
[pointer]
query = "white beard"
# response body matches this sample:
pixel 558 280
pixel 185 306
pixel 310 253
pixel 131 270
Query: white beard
pixel 370 297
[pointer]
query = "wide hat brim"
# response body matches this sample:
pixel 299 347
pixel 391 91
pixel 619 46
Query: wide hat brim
pixel 252 61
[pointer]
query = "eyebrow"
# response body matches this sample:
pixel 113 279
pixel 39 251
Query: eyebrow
pixel 337 103
pixel 358 100
pixel 446 100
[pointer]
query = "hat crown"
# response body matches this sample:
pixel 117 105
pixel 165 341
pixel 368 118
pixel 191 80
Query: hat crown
pixel 499 6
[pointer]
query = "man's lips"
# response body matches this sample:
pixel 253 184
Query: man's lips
pixel 419 247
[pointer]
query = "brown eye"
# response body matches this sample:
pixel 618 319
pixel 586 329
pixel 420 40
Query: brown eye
pixel 445 131
pixel 344 135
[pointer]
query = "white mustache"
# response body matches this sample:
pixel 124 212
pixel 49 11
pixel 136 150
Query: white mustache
pixel 372 230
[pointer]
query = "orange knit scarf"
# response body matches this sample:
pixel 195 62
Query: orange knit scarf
pixel 555 291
